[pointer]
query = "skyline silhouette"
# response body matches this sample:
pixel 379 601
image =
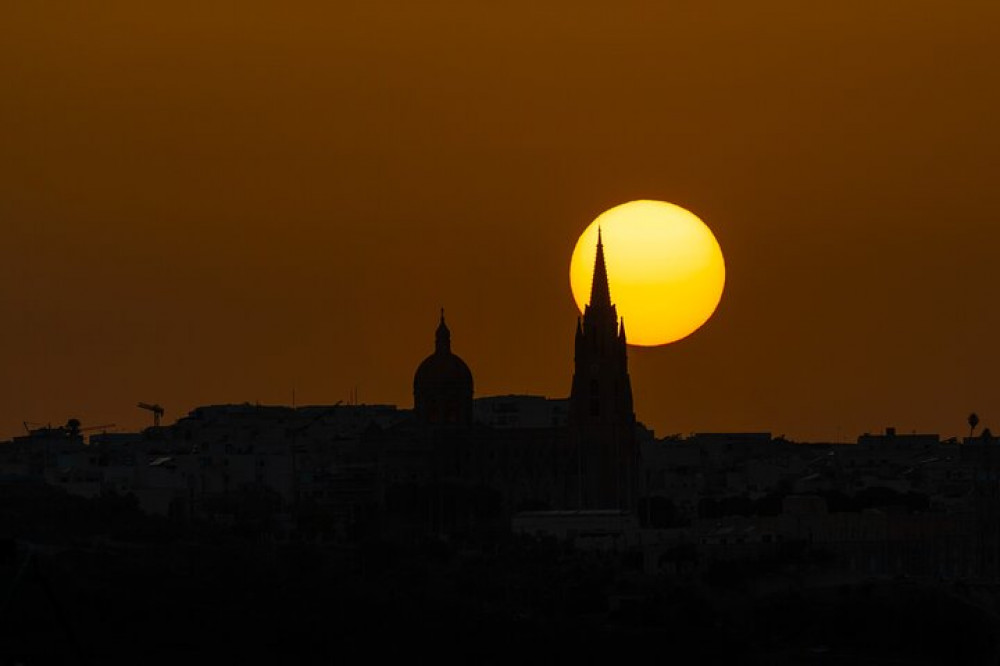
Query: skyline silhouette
pixel 600 317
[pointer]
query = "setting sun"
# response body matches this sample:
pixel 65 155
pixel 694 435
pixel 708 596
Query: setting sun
pixel 665 269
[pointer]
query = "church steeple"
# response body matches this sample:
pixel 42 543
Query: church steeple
pixel 602 421
pixel 600 293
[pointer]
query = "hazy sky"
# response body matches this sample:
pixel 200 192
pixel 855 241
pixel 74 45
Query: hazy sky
pixel 207 202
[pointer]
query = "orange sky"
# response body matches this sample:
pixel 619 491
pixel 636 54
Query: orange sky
pixel 209 202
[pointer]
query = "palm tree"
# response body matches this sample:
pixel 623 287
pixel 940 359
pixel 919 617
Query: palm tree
pixel 973 422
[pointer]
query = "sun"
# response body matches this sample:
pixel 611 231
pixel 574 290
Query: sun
pixel 665 269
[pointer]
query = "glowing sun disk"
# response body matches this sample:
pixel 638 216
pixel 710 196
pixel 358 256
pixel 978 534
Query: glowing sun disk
pixel 665 269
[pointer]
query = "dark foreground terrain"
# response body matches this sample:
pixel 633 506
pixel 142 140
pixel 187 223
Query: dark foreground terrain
pixel 97 582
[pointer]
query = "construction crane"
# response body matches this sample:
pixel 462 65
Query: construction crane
pixel 156 409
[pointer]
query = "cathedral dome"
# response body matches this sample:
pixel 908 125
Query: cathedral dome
pixel 442 385
pixel 442 370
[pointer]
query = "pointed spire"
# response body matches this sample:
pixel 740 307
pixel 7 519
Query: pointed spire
pixel 600 293
pixel 621 330
pixel 442 339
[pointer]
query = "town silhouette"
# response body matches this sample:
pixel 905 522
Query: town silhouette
pixel 484 530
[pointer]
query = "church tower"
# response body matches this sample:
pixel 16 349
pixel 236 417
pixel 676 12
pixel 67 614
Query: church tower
pixel 602 422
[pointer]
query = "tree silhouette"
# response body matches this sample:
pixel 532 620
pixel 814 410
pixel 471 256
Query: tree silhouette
pixel 973 422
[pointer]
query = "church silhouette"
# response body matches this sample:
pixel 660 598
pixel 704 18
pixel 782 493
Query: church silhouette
pixel 587 461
